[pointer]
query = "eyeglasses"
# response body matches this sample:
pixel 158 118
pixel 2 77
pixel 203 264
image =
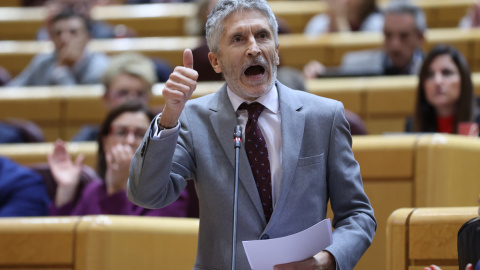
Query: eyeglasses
pixel 122 132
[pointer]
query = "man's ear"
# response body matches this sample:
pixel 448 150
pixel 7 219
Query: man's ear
pixel 215 62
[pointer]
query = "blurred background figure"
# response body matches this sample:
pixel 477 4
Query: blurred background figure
pixel 22 191
pixel 156 1
pixel 98 29
pixel 403 32
pixel 346 16
pixel 129 77
pixel 444 94
pixel 120 135
pixel 70 63
pixel 472 18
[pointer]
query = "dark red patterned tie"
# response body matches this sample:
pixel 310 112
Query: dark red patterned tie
pixel 257 153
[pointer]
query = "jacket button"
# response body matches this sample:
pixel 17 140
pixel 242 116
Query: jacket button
pixel 265 236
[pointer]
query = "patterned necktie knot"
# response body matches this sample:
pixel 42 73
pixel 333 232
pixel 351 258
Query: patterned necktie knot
pixel 254 110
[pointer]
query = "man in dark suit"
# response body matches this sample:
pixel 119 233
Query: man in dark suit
pixel 298 150
pixel 401 54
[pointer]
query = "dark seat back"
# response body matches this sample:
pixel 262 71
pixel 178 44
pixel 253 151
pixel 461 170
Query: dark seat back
pixel 468 243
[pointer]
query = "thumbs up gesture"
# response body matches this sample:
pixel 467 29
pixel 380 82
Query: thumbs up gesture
pixel 178 89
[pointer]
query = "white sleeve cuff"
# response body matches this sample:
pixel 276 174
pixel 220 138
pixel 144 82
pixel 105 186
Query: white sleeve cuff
pixel 158 134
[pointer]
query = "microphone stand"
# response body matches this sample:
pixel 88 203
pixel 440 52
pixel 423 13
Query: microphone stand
pixel 237 136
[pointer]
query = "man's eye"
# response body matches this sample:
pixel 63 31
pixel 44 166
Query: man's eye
pixel 263 35
pixel 237 39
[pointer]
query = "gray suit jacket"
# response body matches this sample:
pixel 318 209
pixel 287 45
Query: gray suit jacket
pixel 318 165
pixel 88 70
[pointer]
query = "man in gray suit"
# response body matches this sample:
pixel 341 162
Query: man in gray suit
pixel 308 146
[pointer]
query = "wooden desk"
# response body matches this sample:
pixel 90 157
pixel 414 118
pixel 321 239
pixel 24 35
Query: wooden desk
pixel 384 103
pixel 419 237
pixel 150 20
pixel 98 243
pixel 420 170
pixel 295 50
pixel 32 153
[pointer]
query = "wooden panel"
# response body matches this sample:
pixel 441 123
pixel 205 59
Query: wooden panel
pixel 433 232
pixel 446 166
pixel 135 243
pixel 32 153
pixel 37 241
pixel 21 102
pixel 385 125
pixel 397 239
pixel 383 157
pixel 349 92
pixel 380 194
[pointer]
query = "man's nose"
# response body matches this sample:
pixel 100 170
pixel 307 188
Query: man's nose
pixel 253 49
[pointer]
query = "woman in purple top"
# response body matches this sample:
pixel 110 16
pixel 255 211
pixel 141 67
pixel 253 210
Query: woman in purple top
pixel 120 135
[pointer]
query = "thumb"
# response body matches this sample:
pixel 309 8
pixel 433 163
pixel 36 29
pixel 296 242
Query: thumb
pixel 188 58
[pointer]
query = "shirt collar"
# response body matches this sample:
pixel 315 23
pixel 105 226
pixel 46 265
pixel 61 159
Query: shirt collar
pixel 269 100
pixel 412 66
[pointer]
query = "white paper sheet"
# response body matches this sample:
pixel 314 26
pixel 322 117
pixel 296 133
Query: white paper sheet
pixel 265 254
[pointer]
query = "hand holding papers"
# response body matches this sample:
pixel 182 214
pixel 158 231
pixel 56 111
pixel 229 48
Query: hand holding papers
pixel 264 254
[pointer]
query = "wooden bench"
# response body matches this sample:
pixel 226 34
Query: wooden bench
pixel 98 243
pixel 397 171
pixel 295 49
pixel 383 103
pixel 418 237
pixel 19 23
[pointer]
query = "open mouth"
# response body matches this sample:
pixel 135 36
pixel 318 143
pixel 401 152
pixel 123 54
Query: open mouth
pixel 254 71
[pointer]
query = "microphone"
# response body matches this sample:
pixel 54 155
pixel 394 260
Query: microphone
pixel 237 139
pixel 237 136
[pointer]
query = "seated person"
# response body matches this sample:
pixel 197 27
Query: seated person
pixel 22 191
pixel 98 29
pixel 444 93
pixel 403 32
pixel 472 18
pixel 120 135
pixel 129 76
pixel 70 63
pixel 346 16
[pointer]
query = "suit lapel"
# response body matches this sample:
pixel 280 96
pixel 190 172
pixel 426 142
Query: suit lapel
pixel 293 124
pixel 224 119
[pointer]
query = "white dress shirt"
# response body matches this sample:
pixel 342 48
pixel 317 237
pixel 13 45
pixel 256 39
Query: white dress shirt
pixel 270 124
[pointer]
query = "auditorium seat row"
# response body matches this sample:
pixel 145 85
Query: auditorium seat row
pixel 382 102
pixel 419 237
pixel 169 19
pixel 295 49
pixel 98 243
pixel 398 171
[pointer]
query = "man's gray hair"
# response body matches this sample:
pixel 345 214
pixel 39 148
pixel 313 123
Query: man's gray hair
pixel 214 26
pixel 404 7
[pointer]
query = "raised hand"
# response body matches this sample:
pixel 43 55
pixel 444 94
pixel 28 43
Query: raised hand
pixel 178 89
pixel 66 173
pixel 118 163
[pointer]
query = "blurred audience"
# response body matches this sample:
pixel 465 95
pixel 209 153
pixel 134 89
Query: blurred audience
pixel 129 77
pixel 403 32
pixel 120 135
pixel 22 191
pixel 70 63
pixel 346 16
pixel 444 93
pixel 98 29
pixel 156 1
pixel 472 18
